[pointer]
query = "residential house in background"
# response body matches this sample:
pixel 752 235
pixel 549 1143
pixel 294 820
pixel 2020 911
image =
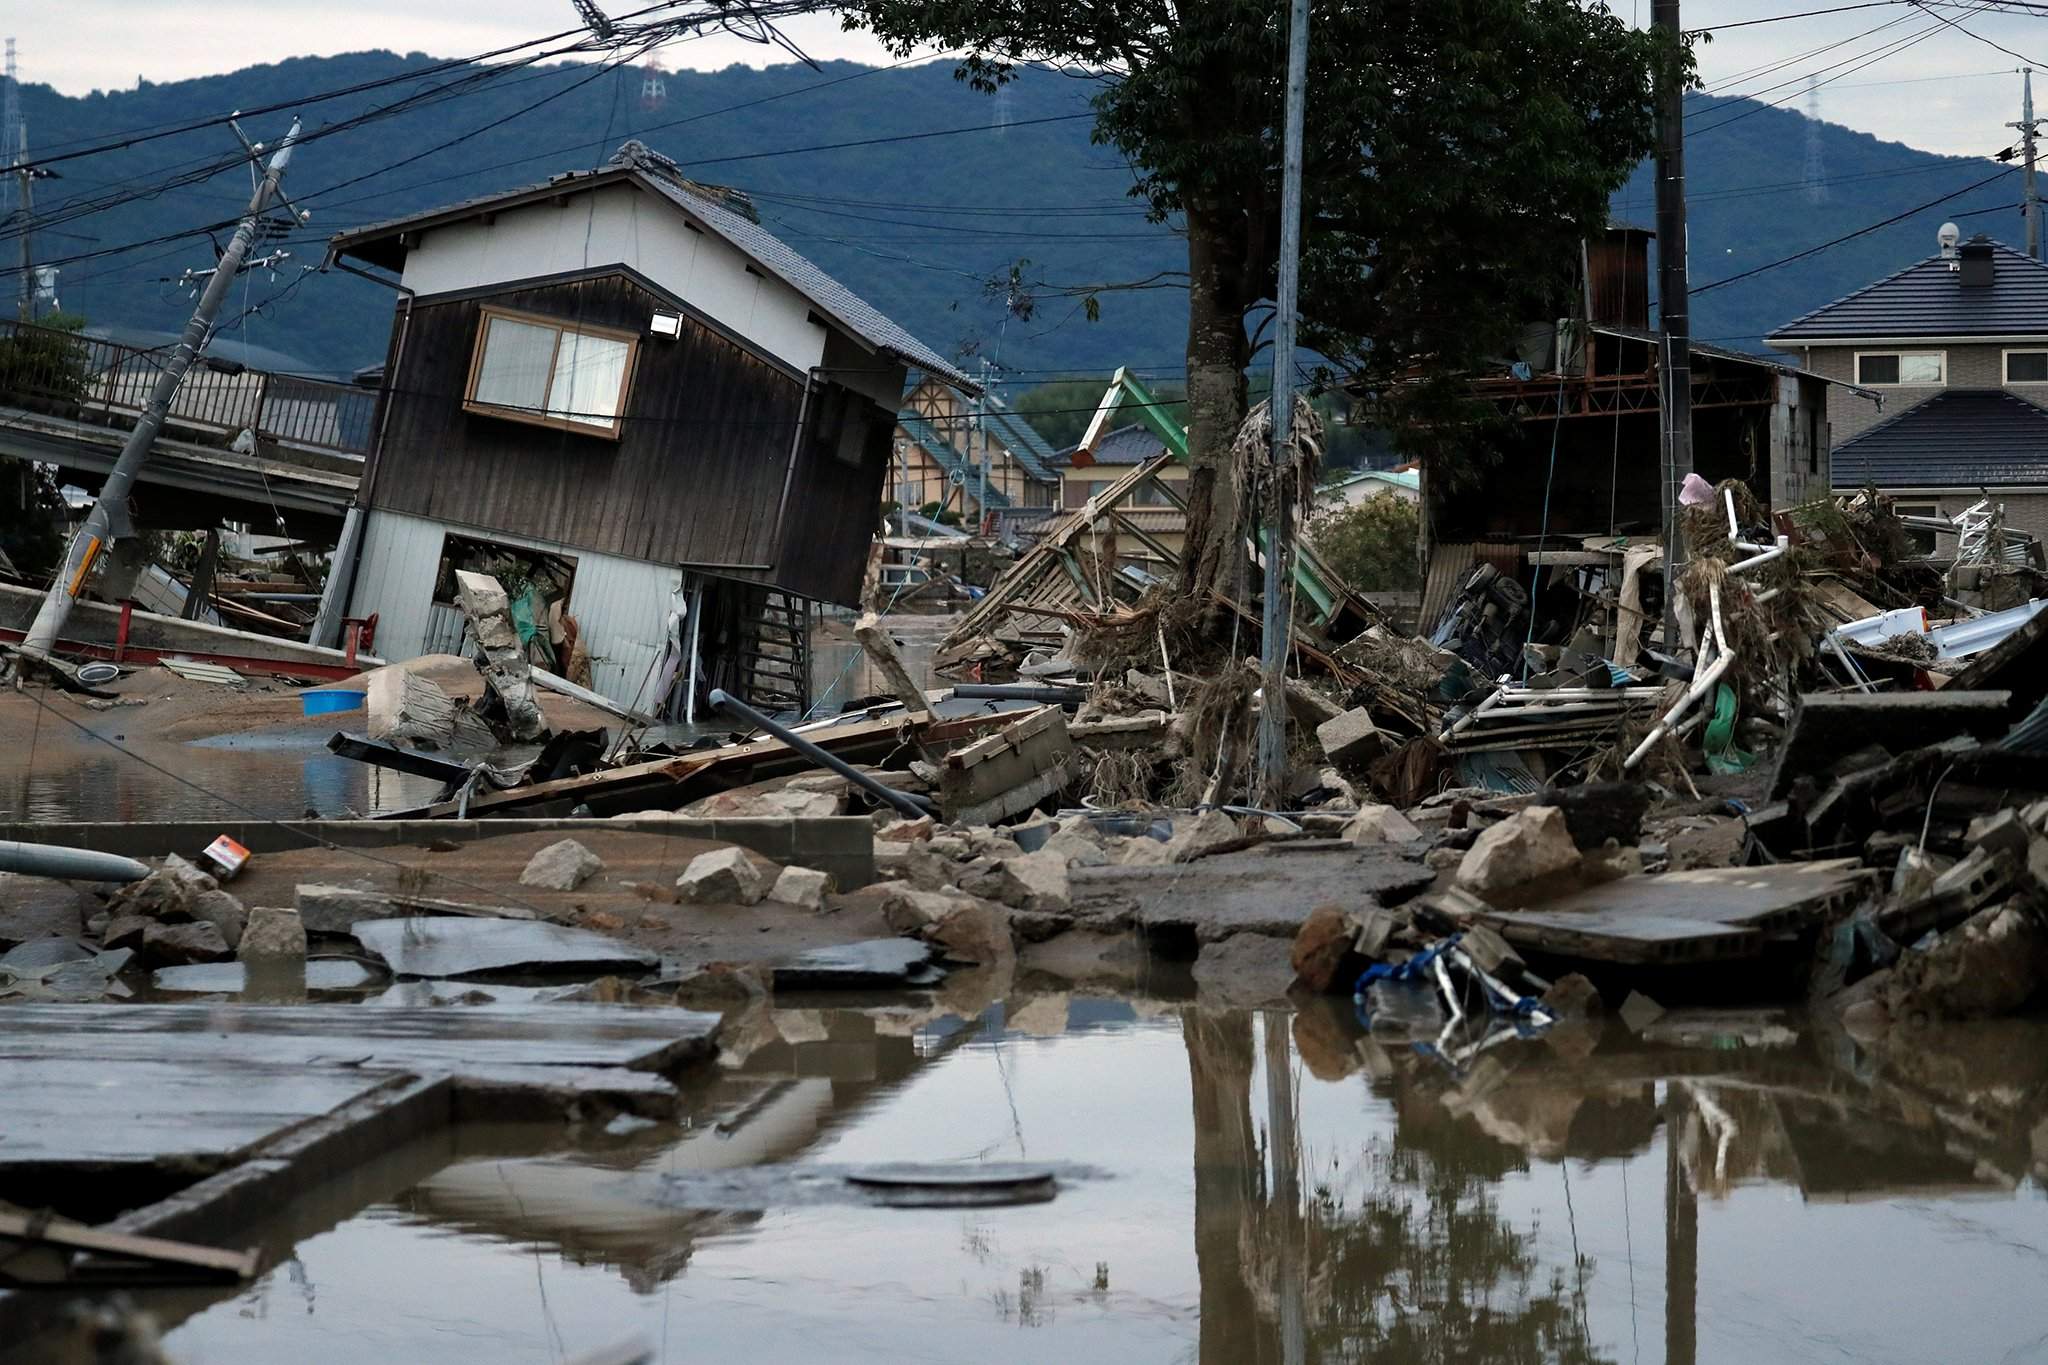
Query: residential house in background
pixel 617 389
pixel 1355 488
pixel 943 440
pixel 1957 346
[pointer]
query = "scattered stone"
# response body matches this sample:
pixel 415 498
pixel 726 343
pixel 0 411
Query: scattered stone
pixel 725 876
pixel 1193 837
pixel 174 945
pixel 653 922
pixel 604 921
pixel 1028 881
pixel 273 934
pixel 975 932
pixel 1443 859
pixel 1351 740
pixel 1077 849
pixel 902 831
pixel 1572 996
pixel 1321 947
pixel 915 863
pixel 911 911
pixel 562 866
pixel 223 912
pixel 1532 843
pixel 125 931
pixel 1610 862
pixel 1380 825
pixel 1639 1011
pixel 720 986
pixel 1036 926
pixel 802 887
pixel 787 803
pixel 166 894
pixel 949 846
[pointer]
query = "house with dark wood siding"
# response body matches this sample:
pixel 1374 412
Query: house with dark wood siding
pixel 619 391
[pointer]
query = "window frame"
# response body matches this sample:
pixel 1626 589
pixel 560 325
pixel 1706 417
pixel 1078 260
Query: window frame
pixel 1929 507
pixel 2005 363
pixel 1900 354
pixel 560 327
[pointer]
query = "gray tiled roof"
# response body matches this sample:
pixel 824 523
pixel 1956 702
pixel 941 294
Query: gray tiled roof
pixel 1961 438
pixel 1929 300
pixel 1131 445
pixel 945 457
pixel 1021 439
pixel 655 171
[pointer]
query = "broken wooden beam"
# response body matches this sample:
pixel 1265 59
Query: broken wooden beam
pixel 167 1261
pixel 504 665
pixel 1009 772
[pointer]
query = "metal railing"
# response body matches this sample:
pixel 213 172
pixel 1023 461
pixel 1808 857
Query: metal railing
pixel 67 374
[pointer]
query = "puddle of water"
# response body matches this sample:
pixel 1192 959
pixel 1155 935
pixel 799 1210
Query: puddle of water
pixel 1277 1188
pixel 271 777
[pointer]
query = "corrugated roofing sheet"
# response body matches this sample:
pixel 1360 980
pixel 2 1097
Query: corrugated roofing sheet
pixel 1964 438
pixel 1929 299
pixel 1021 439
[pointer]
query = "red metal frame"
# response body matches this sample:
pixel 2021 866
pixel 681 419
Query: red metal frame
pixel 138 654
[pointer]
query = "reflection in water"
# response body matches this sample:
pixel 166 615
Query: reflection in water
pixel 1277 1189
pixel 211 782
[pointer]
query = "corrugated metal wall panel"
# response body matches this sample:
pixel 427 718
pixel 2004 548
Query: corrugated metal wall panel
pixel 621 605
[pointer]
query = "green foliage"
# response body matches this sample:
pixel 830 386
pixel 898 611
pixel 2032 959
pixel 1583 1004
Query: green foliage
pixel 1373 545
pixel 45 366
pixel 944 516
pixel 31 513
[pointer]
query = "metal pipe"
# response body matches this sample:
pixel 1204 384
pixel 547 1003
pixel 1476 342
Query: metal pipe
pixel 908 803
pixel 1054 696
pixel 72 864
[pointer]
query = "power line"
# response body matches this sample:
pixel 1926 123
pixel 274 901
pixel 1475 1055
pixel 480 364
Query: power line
pixel 1851 236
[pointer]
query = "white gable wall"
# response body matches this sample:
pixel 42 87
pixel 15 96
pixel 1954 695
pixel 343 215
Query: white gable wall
pixel 621 225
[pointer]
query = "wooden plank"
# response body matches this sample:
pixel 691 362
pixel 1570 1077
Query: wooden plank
pixel 71 1236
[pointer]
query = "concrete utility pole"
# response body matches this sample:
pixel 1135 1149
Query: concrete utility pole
pixel 1673 311
pixel 2028 127
pixel 108 520
pixel 14 149
pixel 1276 636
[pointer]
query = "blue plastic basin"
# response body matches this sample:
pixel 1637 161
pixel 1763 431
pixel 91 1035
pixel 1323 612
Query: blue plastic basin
pixel 319 701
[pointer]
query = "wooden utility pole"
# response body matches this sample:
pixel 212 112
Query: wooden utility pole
pixel 1674 321
pixel 108 520
pixel 1276 637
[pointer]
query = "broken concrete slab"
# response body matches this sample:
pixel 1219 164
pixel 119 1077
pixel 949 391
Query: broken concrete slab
pixel 507 674
pixel 1529 845
pixel 1244 971
pixel 41 953
pixel 977 933
pixel 802 887
pixel 784 803
pixel 725 876
pixel 37 907
pixel 440 948
pixel 874 964
pixel 562 866
pixel 325 909
pixel 1826 725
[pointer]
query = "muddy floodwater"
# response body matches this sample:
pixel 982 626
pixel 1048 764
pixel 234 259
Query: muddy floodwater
pixel 1261 1187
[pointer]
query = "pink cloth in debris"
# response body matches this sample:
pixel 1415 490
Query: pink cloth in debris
pixel 1696 492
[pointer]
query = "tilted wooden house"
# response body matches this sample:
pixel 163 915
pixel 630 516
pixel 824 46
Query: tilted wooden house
pixel 622 390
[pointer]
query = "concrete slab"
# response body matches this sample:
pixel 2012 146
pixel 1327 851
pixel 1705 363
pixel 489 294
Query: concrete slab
pixel 441 948
pixel 1265 890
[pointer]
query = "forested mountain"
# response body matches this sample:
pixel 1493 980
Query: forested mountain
pixel 926 227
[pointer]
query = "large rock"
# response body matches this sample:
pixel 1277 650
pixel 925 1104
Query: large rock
pixel 1380 825
pixel 1027 881
pixel 915 863
pixel 911 911
pixel 562 866
pixel 222 911
pixel 125 931
pixel 1194 836
pixel 975 932
pixel 1530 844
pixel 1993 964
pixel 273 934
pixel 902 831
pixel 1244 971
pixel 802 887
pixel 726 876
pixel 1351 740
pixel 1321 946
pixel 172 945
pixel 1077 849
pixel 166 894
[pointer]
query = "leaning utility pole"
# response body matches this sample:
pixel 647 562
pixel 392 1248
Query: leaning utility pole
pixel 108 520
pixel 2028 127
pixel 1674 347
pixel 1276 636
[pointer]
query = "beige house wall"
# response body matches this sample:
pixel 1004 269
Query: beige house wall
pixel 1971 365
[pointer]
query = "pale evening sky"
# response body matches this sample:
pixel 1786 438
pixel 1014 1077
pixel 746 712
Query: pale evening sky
pixel 1948 86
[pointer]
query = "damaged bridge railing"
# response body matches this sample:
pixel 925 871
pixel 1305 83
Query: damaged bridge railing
pixel 68 374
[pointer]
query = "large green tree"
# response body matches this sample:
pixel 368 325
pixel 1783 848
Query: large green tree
pixel 1455 151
